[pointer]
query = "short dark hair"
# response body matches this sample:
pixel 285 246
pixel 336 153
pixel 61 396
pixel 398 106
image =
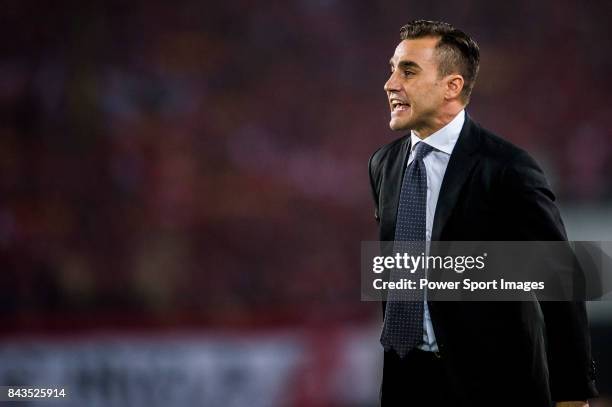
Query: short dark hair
pixel 457 51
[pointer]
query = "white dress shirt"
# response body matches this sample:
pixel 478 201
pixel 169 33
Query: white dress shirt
pixel 443 141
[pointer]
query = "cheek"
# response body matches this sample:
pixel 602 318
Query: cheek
pixel 432 97
pixel 420 93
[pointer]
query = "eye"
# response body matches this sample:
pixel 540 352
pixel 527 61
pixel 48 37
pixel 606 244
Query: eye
pixel 408 73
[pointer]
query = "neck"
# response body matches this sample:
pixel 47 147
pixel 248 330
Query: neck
pixel 444 118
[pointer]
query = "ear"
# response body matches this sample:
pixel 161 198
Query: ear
pixel 454 86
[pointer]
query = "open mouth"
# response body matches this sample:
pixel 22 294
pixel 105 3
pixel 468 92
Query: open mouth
pixel 398 105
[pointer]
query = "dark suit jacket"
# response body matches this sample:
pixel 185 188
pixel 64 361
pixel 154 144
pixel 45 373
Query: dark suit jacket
pixel 494 191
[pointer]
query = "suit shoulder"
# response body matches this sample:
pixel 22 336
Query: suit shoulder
pixel 499 148
pixel 517 166
pixel 382 153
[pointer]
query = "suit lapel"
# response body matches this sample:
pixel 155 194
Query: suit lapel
pixel 461 162
pixel 395 170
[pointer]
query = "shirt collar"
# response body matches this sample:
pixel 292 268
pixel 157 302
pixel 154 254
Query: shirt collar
pixel 445 138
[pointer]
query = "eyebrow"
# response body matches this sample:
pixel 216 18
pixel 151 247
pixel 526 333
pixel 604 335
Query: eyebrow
pixel 405 64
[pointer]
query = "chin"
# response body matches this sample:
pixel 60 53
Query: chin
pixel 399 125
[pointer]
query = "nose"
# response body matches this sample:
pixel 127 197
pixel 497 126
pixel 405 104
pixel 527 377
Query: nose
pixel 392 83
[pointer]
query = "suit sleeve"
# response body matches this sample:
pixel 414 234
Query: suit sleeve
pixel 373 163
pixel 528 196
pixel 374 177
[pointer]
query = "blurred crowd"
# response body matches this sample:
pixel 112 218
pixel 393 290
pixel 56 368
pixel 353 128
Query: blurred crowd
pixel 205 162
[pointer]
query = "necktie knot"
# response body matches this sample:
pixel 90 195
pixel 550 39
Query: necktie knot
pixel 421 150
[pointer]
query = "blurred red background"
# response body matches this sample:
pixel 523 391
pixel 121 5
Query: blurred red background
pixel 201 167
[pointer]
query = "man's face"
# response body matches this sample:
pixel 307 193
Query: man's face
pixel 414 90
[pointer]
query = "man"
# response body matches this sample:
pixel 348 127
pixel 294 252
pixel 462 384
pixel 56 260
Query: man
pixel 450 179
